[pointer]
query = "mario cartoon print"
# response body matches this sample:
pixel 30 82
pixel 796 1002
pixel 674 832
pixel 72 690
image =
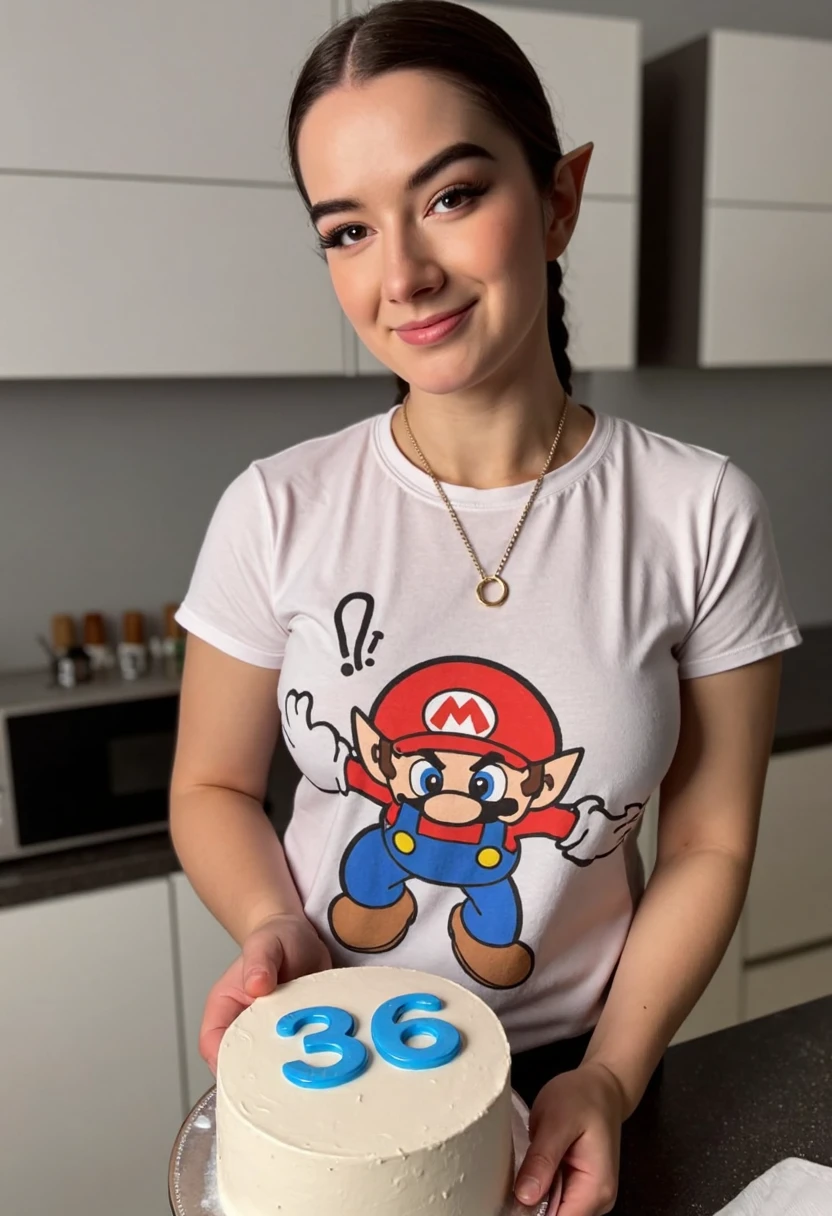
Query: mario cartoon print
pixel 465 759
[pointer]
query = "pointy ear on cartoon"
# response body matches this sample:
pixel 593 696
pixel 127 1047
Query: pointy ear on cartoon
pixel 374 751
pixel 535 787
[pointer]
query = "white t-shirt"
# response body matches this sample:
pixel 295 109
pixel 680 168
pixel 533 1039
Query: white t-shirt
pixel 472 776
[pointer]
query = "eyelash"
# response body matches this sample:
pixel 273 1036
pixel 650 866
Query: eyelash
pixel 468 190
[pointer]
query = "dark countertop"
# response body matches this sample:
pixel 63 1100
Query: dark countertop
pixel 729 1107
pixel 804 719
pixel 88 868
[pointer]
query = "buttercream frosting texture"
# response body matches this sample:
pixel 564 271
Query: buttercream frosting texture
pixel 391 1141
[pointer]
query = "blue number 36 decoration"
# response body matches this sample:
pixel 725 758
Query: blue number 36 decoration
pixel 391 1038
pixel 337 1036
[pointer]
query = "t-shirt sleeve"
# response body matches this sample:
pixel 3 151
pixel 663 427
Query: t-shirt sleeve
pixel 229 602
pixel 742 608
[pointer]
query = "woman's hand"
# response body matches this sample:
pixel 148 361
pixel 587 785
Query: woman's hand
pixel 282 948
pixel 575 1126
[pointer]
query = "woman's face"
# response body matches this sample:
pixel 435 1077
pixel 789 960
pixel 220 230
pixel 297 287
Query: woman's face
pixel 471 234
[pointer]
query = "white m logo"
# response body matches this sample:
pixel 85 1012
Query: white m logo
pixel 460 712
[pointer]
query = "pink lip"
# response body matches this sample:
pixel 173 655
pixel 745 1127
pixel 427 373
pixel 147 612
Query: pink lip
pixel 423 333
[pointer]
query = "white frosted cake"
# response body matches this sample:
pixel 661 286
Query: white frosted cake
pixel 396 1123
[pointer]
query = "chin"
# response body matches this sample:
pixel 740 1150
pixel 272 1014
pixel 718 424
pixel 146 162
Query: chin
pixel 439 384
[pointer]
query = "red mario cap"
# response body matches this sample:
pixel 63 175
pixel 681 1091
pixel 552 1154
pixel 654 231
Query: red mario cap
pixel 467 705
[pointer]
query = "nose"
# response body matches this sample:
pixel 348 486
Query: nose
pixel 408 266
pixel 452 808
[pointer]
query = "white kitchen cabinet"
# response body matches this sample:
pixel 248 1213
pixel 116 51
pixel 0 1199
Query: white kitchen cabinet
pixel 770 104
pixel 772 309
pixel 152 89
pixel 89 1071
pixel 782 983
pixel 130 278
pixel 736 245
pixel 591 69
pixel 790 896
pixel 204 950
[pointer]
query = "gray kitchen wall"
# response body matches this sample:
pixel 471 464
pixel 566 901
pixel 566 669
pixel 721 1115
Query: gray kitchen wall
pixel 106 487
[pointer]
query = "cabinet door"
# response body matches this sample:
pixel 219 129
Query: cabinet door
pixel 127 278
pixel 770 987
pixel 591 70
pixel 152 88
pixel 599 284
pixel 790 896
pixel 204 950
pixel 769 108
pixel 89 1071
pixel 765 287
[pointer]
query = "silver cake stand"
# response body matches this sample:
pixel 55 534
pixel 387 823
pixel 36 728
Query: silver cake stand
pixel 192 1178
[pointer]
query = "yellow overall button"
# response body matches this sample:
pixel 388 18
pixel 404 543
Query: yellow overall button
pixel 489 858
pixel 404 843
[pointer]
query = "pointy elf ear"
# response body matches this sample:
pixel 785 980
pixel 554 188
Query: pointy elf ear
pixel 368 742
pixel 557 777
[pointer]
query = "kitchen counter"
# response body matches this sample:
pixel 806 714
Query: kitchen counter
pixel 730 1106
pixel 804 719
pixel 88 868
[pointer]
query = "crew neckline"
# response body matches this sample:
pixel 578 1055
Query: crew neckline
pixel 418 481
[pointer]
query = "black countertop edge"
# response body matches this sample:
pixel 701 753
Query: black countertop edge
pixel 728 1107
pixel 86 868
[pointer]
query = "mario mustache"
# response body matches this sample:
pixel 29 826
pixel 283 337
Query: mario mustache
pixel 489 812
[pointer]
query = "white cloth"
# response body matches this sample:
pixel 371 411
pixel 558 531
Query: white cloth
pixel 792 1188
pixel 643 561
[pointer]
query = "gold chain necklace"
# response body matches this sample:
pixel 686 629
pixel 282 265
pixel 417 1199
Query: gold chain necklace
pixel 486 579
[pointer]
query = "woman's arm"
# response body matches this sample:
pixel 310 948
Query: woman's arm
pixel 228 724
pixel 708 820
pixel 710 806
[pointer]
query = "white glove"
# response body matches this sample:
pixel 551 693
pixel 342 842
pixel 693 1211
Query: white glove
pixel 321 752
pixel 598 831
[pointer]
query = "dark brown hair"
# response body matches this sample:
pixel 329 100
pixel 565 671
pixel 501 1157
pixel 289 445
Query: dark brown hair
pixel 467 49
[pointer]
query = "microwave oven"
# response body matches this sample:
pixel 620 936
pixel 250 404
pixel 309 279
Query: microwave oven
pixel 84 764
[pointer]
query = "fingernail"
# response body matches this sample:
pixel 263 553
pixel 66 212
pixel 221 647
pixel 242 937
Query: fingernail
pixel 256 973
pixel 527 1190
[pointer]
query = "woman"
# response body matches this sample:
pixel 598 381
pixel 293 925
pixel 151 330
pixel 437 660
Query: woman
pixel 554 612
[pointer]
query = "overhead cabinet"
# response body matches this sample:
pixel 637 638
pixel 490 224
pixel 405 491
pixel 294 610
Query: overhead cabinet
pixel 736 237
pixel 591 70
pixel 152 89
pixel 135 278
pixel 147 223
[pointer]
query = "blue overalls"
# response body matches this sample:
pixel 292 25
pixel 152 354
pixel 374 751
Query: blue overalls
pixel 379 861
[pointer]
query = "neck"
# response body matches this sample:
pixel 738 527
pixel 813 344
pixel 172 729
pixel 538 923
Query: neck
pixel 497 433
pixel 495 443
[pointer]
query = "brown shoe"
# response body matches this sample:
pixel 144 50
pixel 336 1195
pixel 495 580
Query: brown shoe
pixel 493 966
pixel 371 930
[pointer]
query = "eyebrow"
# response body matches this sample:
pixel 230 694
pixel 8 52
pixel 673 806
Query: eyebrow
pixel 421 176
pixel 490 758
pixel 429 754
